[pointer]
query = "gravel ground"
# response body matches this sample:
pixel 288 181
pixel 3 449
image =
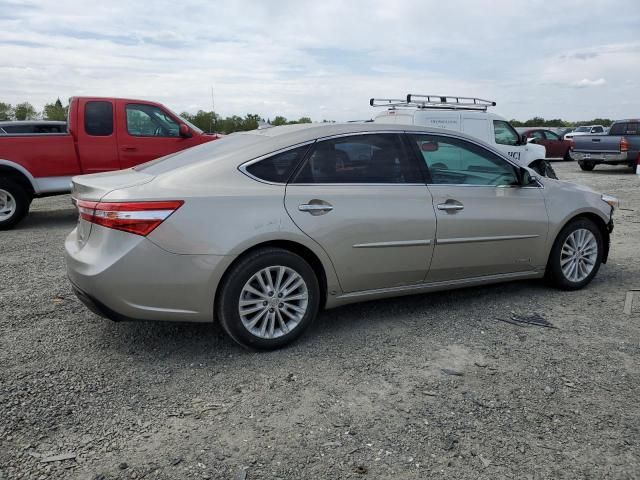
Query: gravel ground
pixel 431 386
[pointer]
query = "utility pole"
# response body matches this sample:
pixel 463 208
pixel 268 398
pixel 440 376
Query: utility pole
pixel 213 113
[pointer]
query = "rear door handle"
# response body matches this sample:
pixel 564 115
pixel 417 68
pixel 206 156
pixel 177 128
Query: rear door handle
pixel 127 148
pixel 310 207
pixel 453 207
pixel 315 208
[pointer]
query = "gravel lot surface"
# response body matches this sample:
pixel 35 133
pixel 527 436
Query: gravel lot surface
pixel 431 386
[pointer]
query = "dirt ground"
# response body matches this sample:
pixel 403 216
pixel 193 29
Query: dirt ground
pixel 430 386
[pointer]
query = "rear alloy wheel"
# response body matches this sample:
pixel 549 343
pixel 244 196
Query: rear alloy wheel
pixel 587 165
pixel 14 203
pixel 268 299
pixel 576 255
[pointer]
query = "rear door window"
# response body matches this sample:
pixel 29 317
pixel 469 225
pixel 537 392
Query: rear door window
pixel 624 128
pixel 371 159
pixel 551 135
pixel 98 118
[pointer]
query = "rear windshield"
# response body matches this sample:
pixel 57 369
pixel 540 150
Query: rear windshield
pixel 207 151
pixel 624 128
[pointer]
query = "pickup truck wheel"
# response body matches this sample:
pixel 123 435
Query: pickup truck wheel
pixel 576 255
pixel 587 166
pixel 544 168
pixel 14 203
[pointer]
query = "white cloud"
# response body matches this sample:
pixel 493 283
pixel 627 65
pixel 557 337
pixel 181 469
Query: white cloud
pixel 324 59
pixel 585 82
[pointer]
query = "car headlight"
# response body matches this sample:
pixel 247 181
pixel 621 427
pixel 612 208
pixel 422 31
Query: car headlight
pixel 613 201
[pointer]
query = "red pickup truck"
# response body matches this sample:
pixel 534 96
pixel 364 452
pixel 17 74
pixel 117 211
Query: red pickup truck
pixel 102 134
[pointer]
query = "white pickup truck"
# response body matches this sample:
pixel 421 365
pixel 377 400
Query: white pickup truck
pixel 468 115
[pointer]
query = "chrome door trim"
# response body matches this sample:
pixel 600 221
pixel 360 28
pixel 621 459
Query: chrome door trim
pixel 431 285
pixel 540 185
pixel 499 238
pixel 400 243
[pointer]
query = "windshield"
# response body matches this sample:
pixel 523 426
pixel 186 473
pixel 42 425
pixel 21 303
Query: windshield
pixel 191 125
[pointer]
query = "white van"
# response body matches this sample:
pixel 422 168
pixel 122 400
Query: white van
pixel 467 115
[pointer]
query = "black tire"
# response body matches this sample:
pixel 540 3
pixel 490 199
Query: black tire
pixel 567 156
pixel 554 273
pixel 20 198
pixel 587 165
pixel 544 168
pixel 227 309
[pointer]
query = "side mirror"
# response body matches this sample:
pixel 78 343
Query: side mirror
pixel 523 139
pixel 525 177
pixel 185 131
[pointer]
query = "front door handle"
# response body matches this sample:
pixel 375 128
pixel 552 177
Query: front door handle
pixel 450 207
pixel 127 148
pixel 315 208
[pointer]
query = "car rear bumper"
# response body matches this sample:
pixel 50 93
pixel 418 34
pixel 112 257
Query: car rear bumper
pixel 600 157
pixel 140 281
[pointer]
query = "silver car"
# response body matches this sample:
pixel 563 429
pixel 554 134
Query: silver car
pixel 261 230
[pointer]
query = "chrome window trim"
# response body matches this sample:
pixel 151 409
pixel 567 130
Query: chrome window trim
pixel 243 166
pixel 358 184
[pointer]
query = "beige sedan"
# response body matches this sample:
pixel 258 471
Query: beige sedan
pixel 261 230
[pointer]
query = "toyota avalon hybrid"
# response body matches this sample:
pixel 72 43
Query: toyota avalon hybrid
pixel 261 230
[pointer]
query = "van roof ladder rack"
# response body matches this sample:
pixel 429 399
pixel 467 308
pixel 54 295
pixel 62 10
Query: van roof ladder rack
pixel 454 103
pixel 388 102
pixel 434 102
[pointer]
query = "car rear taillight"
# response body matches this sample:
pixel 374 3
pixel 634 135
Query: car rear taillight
pixel 572 144
pixel 624 145
pixel 140 218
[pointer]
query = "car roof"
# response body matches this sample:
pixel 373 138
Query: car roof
pixel 240 147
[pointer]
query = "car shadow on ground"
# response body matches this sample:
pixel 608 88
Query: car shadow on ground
pixel 605 170
pixel 343 327
pixel 62 217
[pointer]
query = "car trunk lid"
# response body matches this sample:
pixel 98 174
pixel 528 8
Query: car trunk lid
pixel 93 188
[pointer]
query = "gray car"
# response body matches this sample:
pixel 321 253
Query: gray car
pixel 261 230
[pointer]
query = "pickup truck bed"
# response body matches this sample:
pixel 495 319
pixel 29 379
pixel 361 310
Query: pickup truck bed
pixel 103 134
pixel 620 147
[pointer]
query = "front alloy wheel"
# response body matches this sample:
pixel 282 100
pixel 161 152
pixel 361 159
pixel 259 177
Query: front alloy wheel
pixel 576 255
pixel 579 254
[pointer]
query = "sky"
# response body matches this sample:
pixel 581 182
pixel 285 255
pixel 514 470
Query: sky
pixel 324 59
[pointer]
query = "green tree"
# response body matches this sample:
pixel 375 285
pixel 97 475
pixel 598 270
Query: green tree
pixel 55 111
pixel 303 120
pixel 25 111
pixel 6 111
pixel 279 120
